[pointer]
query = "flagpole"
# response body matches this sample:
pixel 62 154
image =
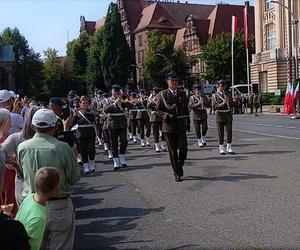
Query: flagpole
pixel 232 68
pixel 248 71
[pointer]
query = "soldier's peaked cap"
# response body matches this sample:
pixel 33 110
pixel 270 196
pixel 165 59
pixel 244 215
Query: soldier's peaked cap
pixel 221 82
pixel 57 101
pixel 172 76
pixel 116 87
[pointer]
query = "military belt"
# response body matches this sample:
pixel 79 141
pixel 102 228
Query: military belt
pixel 86 126
pixel 223 111
pixel 116 114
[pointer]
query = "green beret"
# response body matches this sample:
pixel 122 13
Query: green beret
pixel 58 101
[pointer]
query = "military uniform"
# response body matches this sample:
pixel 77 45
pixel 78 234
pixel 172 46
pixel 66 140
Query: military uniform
pixel 223 119
pixel 156 123
pixel 197 105
pixel 105 130
pixel 86 135
pixel 173 108
pixel 132 120
pixel 143 121
pixel 117 126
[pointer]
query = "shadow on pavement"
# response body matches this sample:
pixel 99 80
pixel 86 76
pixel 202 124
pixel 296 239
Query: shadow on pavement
pixel 234 177
pixel 267 152
pixel 93 223
pixel 185 247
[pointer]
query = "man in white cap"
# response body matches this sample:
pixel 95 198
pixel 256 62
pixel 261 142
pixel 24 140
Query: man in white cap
pixel 45 150
pixel 7 102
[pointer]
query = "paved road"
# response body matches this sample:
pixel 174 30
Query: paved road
pixel 246 201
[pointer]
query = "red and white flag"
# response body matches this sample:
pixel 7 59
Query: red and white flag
pixel 234 27
pixel 296 93
pixel 245 16
pixel 289 107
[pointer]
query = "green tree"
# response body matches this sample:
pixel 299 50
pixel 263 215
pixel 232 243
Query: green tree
pixel 59 74
pixel 217 57
pixel 94 77
pixel 115 53
pixel 77 51
pixel 29 66
pixel 163 58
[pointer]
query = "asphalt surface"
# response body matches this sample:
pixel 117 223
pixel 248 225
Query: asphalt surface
pixel 245 201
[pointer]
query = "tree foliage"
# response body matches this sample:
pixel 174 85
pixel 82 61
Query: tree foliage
pixel 77 51
pixel 163 58
pixel 217 57
pixel 29 66
pixel 115 55
pixel 59 74
pixel 94 77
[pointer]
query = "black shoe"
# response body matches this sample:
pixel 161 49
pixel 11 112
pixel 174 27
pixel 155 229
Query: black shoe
pixel 204 144
pixel 124 165
pixel 116 168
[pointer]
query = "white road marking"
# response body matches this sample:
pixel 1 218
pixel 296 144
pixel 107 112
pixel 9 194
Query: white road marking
pixel 264 125
pixel 264 134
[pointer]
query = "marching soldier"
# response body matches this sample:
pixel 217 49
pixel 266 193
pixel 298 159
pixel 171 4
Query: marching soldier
pixel 198 104
pixel 173 107
pixel 103 119
pixel 156 121
pixel 143 120
pixel 117 125
pixel 132 120
pixel 99 122
pixel 85 118
pixel 222 105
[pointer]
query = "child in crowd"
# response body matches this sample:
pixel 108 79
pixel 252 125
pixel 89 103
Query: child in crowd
pixel 32 212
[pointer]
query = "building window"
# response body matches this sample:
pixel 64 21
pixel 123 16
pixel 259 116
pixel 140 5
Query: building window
pixel 269 5
pixel 139 58
pixel 263 80
pixel 140 40
pixel 143 56
pixel 270 33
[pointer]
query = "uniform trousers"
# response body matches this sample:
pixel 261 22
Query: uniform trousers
pixel 87 148
pixel 200 128
pixel 178 148
pixel 106 138
pixel 60 228
pixel 221 129
pixel 144 124
pixel 117 135
pixel 156 128
pixel 133 124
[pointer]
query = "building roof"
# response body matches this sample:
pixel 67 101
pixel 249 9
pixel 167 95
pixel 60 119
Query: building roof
pixel 134 9
pixel 90 27
pixel 100 23
pixel 179 11
pixel 155 16
pixel 221 18
pixel 179 40
pixel 202 26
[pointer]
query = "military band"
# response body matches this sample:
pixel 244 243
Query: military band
pixel 111 120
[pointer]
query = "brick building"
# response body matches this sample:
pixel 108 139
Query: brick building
pixel 192 25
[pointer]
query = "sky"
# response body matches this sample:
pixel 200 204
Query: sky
pixel 51 23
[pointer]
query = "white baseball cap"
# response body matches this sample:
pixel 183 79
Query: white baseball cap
pixel 13 94
pixel 5 95
pixel 44 118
